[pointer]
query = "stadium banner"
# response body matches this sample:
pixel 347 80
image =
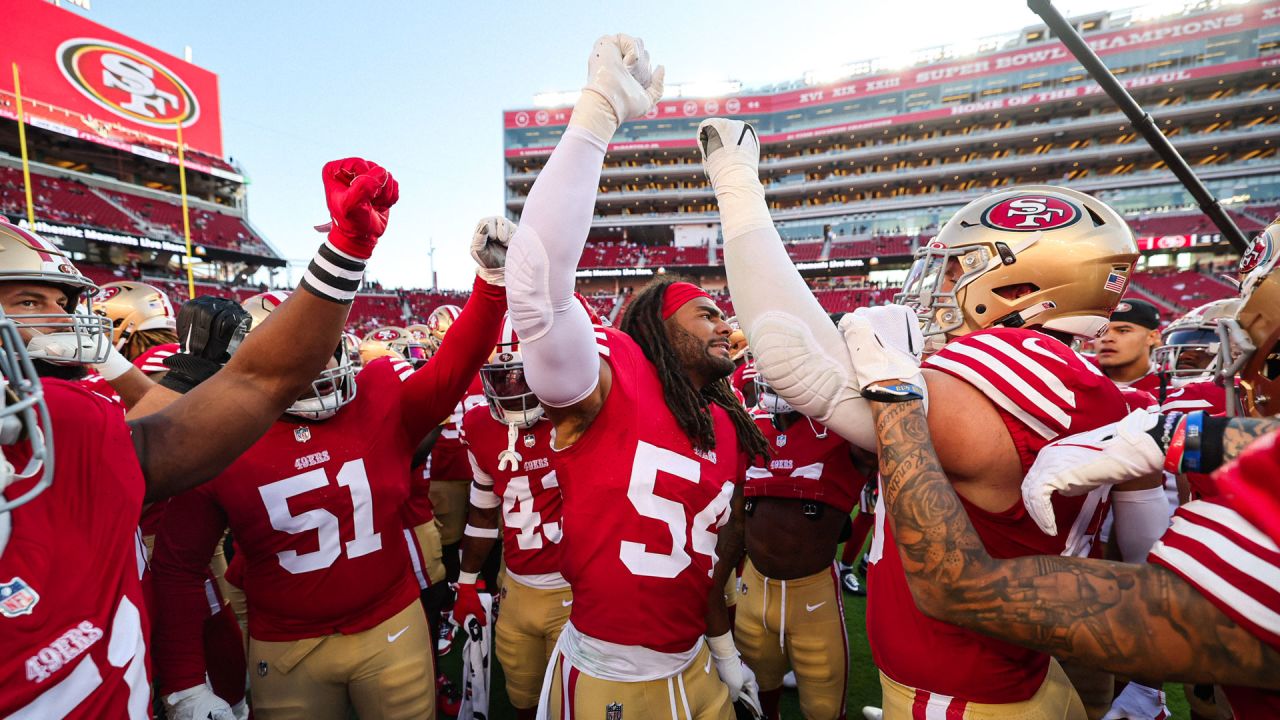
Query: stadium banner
pixel 1197 27
pixel 60 232
pixel 84 80
pixel 1176 242
pixel 1031 99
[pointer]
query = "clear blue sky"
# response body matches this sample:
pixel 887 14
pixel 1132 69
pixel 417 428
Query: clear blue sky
pixel 419 86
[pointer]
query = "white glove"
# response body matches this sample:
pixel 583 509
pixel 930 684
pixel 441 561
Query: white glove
pixel 1077 464
pixel 733 672
pixel 489 245
pixel 1138 702
pixel 197 703
pixel 884 343
pixel 621 86
pixel 114 366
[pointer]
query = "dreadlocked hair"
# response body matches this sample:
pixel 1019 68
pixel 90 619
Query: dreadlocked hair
pixel 141 341
pixel 690 405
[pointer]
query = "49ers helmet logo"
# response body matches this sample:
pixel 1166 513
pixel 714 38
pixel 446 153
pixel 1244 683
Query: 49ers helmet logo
pixel 1259 252
pixel 1031 213
pixel 108 292
pixel 127 83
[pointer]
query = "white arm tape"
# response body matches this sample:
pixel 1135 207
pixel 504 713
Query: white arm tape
pixel 556 338
pixel 480 476
pixel 478 532
pixel 1141 517
pixel 484 497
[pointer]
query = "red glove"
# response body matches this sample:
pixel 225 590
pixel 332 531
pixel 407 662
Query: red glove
pixel 468 605
pixel 360 195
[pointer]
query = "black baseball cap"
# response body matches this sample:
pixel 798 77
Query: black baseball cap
pixel 1138 312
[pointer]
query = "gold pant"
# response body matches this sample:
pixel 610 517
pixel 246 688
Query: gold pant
pixel 387 671
pixel 1055 700
pixel 427 536
pixel 529 623
pixel 695 694
pixel 797 623
pixel 449 500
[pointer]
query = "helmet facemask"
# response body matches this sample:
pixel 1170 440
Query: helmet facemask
pixel 768 400
pixel 23 416
pixel 332 389
pixel 1187 354
pixel 79 337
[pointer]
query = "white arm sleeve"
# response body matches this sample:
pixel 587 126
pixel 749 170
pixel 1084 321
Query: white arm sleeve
pixel 1142 516
pixel 797 348
pixel 561 362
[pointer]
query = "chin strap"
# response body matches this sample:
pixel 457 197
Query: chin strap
pixel 1022 317
pixel 510 455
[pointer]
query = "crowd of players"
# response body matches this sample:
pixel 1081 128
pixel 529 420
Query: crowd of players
pixel 666 498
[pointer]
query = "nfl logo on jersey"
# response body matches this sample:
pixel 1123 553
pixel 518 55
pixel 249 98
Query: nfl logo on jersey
pixel 302 434
pixel 17 598
pixel 613 711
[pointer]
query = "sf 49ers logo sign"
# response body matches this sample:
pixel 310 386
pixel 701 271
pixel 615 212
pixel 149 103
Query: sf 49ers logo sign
pixel 127 83
pixel 1031 213
pixel 1258 254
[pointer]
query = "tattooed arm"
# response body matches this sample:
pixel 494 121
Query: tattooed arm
pixel 1241 432
pixel 1138 620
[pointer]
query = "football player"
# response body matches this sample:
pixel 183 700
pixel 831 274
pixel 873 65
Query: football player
pixel 508 441
pixel 75 638
pixel 1204 609
pixel 55 307
pixel 335 620
pixel 1124 350
pixel 1186 358
pixel 649 439
pixel 994 287
pixel 792 610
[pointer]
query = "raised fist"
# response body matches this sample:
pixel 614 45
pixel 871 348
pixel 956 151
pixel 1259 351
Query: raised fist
pixel 360 195
pixel 489 245
pixel 621 85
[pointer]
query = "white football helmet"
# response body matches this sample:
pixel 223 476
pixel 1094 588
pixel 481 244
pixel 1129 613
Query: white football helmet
pixel 1190 343
pixel 511 402
pixel 78 336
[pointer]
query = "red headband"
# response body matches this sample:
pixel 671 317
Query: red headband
pixel 677 294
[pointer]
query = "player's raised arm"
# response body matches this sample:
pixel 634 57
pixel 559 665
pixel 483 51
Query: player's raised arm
pixel 199 434
pixel 561 360
pixel 433 391
pixel 797 349
pixel 1139 620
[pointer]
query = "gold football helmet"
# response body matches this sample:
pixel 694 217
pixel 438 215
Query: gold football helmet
pixel 1031 256
pixel 439 322
pixel 78 336
pixel 333 388
pixel 135 306
pixel 1250 344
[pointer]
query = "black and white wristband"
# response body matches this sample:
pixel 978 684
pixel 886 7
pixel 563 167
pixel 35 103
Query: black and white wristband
pixel 901 392
pixel 333 275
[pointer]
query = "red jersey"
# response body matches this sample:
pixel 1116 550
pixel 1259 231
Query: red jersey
pixel 72 627
pixel 449 461
pixel 98 385
pixel 1042 390
pixel 531 504
pixel 152 359
pixel 1203 395
pixel 642 510
pixel 1136 399
pixel 807 462
pixel 1227 546
pixel 1149 383
pixel 743 376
